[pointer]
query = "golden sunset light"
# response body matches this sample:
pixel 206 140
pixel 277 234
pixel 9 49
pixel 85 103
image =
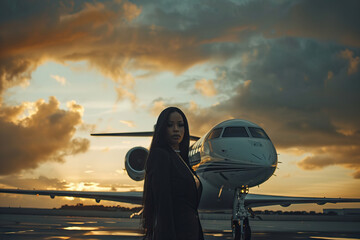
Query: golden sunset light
pixel 71 68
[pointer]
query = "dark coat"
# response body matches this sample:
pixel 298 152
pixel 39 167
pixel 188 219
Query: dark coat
pixel 175 197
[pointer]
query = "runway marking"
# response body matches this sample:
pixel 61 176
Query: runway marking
pixel 114 233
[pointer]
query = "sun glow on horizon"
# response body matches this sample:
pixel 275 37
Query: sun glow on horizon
pixel 118 64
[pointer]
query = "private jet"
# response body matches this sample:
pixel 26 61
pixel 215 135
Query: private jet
pixel 232 157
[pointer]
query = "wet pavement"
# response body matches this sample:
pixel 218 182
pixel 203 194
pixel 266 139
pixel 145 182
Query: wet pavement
pixel 16 226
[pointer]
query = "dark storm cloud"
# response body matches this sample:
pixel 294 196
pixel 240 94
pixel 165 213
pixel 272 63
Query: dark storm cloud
pixel 117 36
pixel 324 20
pixel 303 94
pixel 44 135
pixel 290 80
pixel 223 21
pixel 296 62
pixel 101 33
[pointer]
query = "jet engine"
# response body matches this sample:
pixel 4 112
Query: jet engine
pixel 135 163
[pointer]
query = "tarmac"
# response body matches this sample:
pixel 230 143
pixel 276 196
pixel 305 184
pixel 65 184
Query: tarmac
pixel 30 226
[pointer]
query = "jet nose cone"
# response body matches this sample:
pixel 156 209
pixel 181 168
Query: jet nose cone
pixel 264 160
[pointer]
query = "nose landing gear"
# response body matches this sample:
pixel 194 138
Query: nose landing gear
pixel 240 219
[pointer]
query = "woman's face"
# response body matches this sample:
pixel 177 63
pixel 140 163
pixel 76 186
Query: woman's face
pixel 175 129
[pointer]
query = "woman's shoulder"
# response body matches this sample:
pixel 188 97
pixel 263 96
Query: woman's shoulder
pixel 159 155
pixel 159 151
pixel 162 150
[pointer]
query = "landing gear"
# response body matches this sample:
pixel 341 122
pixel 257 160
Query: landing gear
pixel 236 230
pixel 240 219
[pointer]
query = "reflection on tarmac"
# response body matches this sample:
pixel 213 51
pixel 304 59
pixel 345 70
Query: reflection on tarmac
pixel 114 233
pixel 29 227
pixel 58 237
pixel 81 228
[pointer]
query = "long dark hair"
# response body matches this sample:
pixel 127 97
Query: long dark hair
pixel 160 141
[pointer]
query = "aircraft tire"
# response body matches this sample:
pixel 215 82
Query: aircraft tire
pixel 236 230
pixel 246 229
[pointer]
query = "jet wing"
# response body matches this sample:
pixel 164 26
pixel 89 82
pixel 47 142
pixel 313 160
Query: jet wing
pixel 251 200
pixel 135 134
pixel 126 197
pixel 258 200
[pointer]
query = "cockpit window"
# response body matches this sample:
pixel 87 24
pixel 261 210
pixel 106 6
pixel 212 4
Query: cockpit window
pixel 235 132
pixel 258 133
pixel 215 133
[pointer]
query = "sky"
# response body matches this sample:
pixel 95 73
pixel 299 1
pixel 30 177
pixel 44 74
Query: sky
pixel 69 68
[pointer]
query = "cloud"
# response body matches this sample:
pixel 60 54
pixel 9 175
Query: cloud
pixel 287 90
pixel 103 34
pixel 128 123
pixel 206 87
pixel 229 21
pixel 117 37
pixel 72 32
pixel 321 20
pixel 124 93
pixel 118 187
pixel 353 61
pixel 14 72
pixel 157 106
pixel 347 156
pixel 290 66
pixel 41 182
pixel 356 174
pixel 44 134
pixel 46 183
pixel 59 79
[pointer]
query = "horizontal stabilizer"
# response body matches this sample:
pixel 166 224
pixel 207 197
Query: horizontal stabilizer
pixel 134 134
pixel 125 134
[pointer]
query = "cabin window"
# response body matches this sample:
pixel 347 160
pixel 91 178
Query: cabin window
pixel 258 133
pixel 215 133
pixel 235 132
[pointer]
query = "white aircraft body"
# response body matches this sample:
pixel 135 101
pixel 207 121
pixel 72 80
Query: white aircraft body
pixel 232 157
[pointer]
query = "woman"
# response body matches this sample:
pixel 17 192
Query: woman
pixel 172 190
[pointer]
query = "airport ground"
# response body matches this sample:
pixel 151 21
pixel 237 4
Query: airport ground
pixel 29 224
